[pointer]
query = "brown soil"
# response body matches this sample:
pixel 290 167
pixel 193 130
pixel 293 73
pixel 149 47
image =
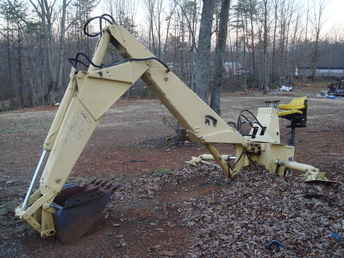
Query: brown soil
pixel 122 148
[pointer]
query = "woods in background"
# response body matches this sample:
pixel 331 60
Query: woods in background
pixel 208 43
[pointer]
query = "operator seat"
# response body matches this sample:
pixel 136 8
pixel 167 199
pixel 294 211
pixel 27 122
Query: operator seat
pixel 295 111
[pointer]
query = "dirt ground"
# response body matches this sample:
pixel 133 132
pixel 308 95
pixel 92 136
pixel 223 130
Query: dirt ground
pixel 167 209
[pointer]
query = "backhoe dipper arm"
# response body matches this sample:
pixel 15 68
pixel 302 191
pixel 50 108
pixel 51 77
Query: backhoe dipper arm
pixel 90 94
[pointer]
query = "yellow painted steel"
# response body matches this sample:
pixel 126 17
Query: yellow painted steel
pixel 267 116
pixel 218 158
pixel 294 104
pixel 289 112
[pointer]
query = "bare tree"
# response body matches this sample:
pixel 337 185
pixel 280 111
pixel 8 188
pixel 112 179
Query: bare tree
pixel 265 47
pixel 45 11
pixel 14 14
pixel 151 8
pixel 318 13
pixel 252 11
pixel 202 71
pixel 58 92
pixel 124 12
pixel 215 101
pixel 270 39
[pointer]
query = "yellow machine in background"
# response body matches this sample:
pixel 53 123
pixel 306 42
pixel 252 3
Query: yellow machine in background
pixel 55 208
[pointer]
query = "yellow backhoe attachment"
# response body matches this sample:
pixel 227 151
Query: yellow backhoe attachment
pixel 56 208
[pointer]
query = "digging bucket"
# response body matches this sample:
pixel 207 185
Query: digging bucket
pixel 79 208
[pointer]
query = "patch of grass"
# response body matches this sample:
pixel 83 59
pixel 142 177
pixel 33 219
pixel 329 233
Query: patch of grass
pixel 7 131
pixel 162 171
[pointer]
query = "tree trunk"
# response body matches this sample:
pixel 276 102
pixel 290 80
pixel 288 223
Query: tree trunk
pixel 20 91
pixel 202 71
pixel 252 8
pixel 59 85
pixel 215 102
pixel 265 56
pixel 318 24
pixel 273 58
pixel 9 64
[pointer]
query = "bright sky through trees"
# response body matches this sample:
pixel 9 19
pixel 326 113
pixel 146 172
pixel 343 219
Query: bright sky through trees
pixel 334 14
pixel 333 20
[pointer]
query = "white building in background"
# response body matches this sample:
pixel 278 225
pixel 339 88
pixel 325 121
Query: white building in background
pixel 320 71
